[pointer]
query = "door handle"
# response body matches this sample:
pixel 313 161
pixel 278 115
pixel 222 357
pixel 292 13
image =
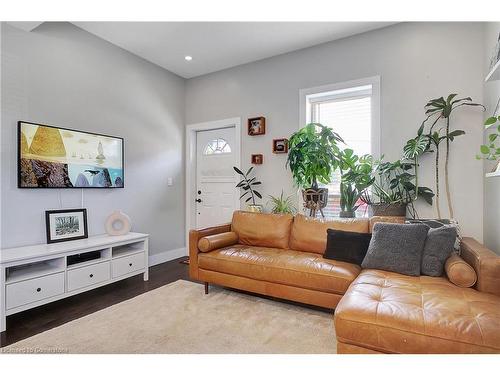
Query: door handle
pixel 198 200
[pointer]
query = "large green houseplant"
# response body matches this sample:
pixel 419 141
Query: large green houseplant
pixel 356 177
pixel 441 109
pixel 395 189
pixel 313 156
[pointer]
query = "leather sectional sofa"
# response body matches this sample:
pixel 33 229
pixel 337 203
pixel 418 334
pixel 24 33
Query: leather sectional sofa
pixel 375 311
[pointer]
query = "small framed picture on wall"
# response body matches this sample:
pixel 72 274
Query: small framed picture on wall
pixel 280 146
pixel 66 225
pixel 257 158
pixel 257 126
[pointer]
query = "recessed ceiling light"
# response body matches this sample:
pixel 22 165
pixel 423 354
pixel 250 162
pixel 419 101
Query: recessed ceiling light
pixel 188 58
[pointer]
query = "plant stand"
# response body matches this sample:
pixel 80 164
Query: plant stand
pixel 315 200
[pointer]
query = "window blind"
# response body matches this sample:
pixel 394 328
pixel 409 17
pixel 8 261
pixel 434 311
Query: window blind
pixel 349 115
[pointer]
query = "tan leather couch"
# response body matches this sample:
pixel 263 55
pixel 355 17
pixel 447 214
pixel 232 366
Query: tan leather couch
pixel 274 255
pixel 385 312
pixel 378 311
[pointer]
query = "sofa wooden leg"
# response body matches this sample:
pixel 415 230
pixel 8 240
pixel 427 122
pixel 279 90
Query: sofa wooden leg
pixel 206 288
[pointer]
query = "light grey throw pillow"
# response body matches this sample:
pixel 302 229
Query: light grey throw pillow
pixel 396 248
pixel 438 247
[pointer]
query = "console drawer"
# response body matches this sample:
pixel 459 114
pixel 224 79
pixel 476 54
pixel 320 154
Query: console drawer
pixel 33 290
pixel 128 264
pixel 89 275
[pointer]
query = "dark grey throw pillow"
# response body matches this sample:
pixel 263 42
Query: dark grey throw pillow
pixel 438 223
pixel 438 247
pixel 396 248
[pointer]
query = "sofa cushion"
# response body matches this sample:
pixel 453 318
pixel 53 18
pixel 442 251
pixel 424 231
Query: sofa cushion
pixel 309 234
pixel 289 267
pixel 460 272
pixel 393 313
pixel 396 248
pixel 216 241
pixel 438 223
pixel 345 246
pixel 257 229
pixel 439 245
pixel 386 219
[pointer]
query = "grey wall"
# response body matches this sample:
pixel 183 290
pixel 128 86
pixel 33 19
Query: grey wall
pixel 61 75
pixel 491 185
pixel 416 62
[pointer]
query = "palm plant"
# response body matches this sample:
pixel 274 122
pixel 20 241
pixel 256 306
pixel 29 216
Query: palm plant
pixel 247 184
pixel 435 139
pixel 282 205
pixel 441 108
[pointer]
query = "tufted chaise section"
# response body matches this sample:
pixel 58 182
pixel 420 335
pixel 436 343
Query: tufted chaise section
pixel 392 313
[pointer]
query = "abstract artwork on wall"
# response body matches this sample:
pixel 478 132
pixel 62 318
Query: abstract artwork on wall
pixel 53 157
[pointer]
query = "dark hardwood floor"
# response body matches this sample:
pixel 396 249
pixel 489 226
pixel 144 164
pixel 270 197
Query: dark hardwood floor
pixel 39 319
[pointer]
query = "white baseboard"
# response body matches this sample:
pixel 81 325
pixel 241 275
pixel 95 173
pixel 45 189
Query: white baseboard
pixel 165 256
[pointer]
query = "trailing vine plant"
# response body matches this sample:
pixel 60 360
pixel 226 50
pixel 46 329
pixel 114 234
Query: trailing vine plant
pixel 491 151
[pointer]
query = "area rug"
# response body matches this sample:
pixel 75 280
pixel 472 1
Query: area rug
pixel 180 318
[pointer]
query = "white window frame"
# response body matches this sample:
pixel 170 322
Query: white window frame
pixel 305 115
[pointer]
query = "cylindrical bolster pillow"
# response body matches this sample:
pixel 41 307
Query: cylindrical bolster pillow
pixel 460 272
pixel 217 241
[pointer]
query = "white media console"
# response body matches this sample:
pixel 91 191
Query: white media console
pixel 31 276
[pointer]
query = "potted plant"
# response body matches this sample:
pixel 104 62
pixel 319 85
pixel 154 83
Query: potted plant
pixel 247 184
pixel 312 157
pixel 394 189
pixel 282 205
pixel 356 177
pixel 442 109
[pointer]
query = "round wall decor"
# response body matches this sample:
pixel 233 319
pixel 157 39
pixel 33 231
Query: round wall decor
pixel 118 224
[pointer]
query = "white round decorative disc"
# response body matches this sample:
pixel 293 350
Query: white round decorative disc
pixel 117 224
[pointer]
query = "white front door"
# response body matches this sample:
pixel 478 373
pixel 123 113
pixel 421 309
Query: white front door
pixel 216 196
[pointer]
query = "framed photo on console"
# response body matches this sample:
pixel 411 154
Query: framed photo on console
pixel 66 225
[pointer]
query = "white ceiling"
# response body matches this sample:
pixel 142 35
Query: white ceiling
pixel 218 45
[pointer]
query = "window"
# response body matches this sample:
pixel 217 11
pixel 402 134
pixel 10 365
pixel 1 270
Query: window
pixel 217 146
pixel 349 109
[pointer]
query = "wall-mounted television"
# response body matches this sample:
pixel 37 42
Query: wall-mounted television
pixel 55 157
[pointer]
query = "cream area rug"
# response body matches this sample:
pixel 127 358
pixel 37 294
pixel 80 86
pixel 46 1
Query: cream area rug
pixel 180 318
